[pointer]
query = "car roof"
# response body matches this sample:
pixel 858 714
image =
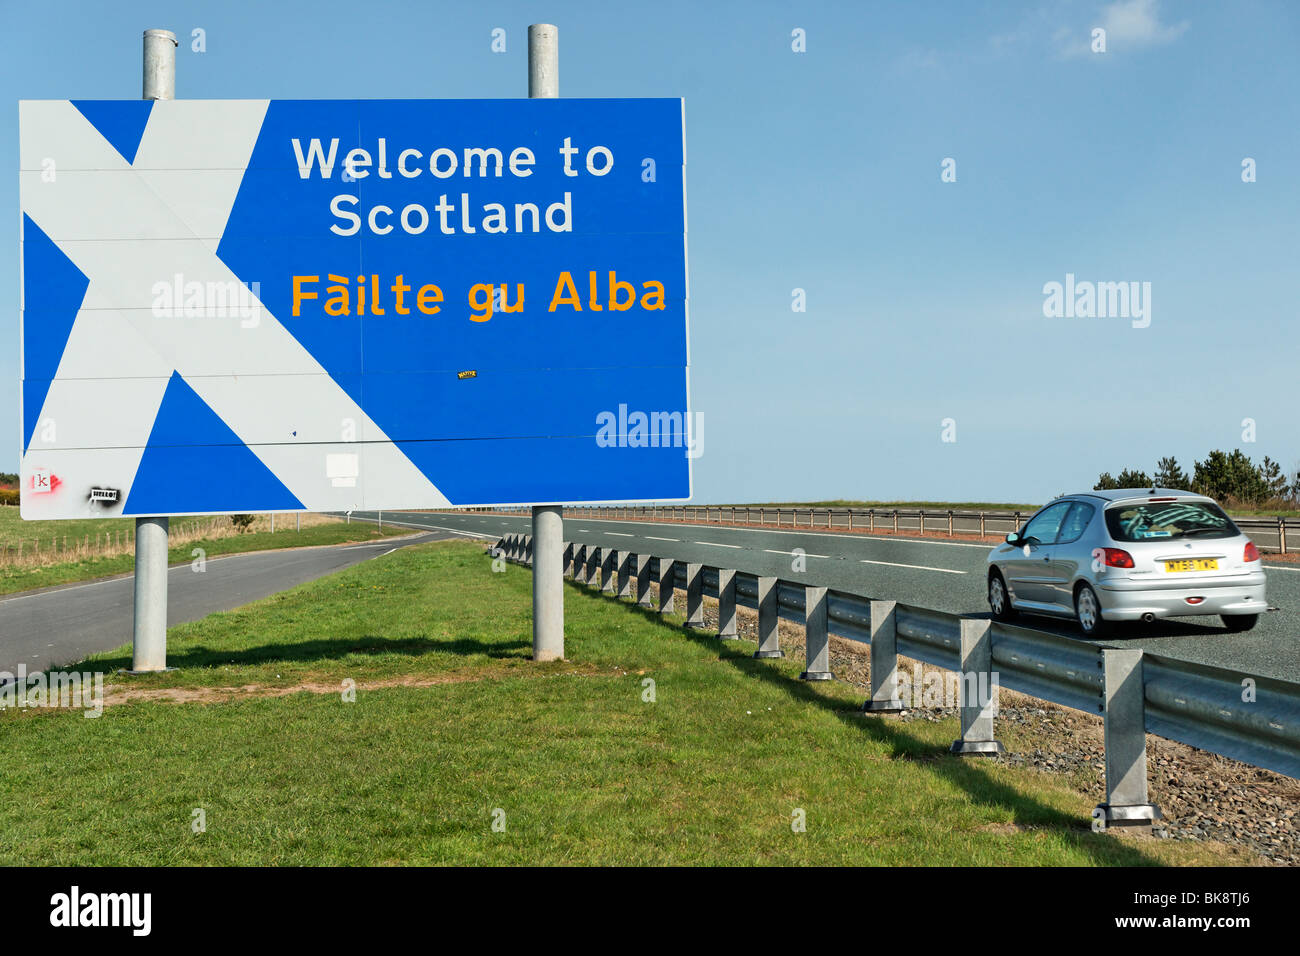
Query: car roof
pixel 1122 494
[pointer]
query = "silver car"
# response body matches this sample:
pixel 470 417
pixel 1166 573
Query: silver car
pixel 1128 555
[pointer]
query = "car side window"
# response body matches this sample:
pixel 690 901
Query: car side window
pixel 1045 525
pixel 1075 523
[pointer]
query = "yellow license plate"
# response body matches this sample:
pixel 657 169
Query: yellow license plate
pixel 1193 564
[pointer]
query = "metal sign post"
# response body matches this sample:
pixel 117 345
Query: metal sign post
pixel 149 634
pixel 548 520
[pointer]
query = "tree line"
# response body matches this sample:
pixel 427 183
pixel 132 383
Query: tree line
pixel 1229 477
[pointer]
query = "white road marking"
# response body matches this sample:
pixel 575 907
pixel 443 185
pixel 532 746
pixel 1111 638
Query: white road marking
pixel 1278 567
pixel 651 537
pixel 716 544
pixel 919 567
pixel 621 534
pixel 791 554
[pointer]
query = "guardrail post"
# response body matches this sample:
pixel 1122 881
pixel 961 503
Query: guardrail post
pixel 607 571
pixel 978 688
pixel 1281 535
pixel 695 593
pixel 816 634
pixel 528 549
pixel 643 580
pixel 667 585
pixel 593 567
pixel 884 660
pixel 727 605
pixel 566 558
pixel 1124 723
pixel 580 563
pixel 769 637
pixel 624 561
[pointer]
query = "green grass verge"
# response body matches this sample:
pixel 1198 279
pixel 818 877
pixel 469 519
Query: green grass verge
pixel 452 722
pixel 19 578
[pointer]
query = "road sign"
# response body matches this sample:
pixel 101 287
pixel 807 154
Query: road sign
pixel 252 305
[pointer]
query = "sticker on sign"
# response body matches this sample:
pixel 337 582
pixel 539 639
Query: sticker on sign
pixel 253 305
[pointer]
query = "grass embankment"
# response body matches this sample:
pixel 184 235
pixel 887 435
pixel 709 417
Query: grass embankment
pixel 453 723
pixel 63 552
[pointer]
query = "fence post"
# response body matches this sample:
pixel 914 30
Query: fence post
pixel 978 687
pixel 1124 725
pixel 981 524
pixel 1281 535
pixel 695 593
pixel 884 660
pixel 727 605
pixel 950 522
pixel 769 637
pixel 667 585
pixel 579 563
pixel 816 634
pixel 566 560
pixel 593 567
pixel 643 580
pixel 623 559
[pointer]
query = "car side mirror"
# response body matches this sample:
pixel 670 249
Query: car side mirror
pixel 1013 538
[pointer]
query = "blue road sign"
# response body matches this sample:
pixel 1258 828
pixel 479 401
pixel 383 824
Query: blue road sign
pixel 329 305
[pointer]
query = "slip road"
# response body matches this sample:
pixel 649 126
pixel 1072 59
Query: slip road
pixel 60 626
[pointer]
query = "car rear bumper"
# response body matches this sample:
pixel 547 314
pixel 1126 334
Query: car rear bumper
pixel 1131 600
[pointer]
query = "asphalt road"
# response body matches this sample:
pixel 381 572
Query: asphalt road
pixel 944 575
pixel 62 625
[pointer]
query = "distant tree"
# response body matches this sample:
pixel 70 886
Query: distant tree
pixel 1132 479
pixel 1105 483
pixel 6 478
pixel 1274 479
pixel 242 522
pixel 1169 474
pixel 1233 476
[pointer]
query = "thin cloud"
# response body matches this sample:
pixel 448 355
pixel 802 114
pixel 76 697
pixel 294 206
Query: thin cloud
pixel 1129 24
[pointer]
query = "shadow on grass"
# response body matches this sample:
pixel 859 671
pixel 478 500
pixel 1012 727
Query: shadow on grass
pixel 967 773
pixel 200 656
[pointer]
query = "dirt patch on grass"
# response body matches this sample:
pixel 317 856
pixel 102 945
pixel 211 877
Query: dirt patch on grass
pixel 116 694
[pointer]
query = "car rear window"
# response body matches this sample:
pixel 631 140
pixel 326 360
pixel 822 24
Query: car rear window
pixel 1161 520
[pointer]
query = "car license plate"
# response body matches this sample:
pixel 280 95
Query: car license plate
pixel 1193 564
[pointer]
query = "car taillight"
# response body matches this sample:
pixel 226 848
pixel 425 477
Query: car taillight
pixel 1251 553
pixel 1118 558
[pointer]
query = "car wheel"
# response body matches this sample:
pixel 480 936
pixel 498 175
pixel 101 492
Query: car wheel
pixel 1087 611
pixel 999 599
pixel 1239 622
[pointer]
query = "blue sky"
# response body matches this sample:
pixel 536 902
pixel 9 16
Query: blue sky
pixel 821 171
